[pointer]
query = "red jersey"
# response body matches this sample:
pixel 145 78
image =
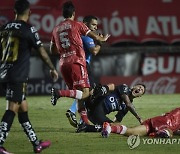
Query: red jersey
pixel 67 37
pixel 170 120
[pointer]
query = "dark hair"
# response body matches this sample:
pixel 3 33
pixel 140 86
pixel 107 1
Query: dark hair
pixel 141 85
pixel 68 9
pixel 21 6
pixel 88 18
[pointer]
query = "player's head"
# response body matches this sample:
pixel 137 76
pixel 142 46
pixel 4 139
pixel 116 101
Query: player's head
pixel 138 90
pixel 22 7
pixel 68 9
pixel 91 22
pixel 164 133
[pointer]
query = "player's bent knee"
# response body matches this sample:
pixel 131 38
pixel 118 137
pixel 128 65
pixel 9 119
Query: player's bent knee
pixel 85 93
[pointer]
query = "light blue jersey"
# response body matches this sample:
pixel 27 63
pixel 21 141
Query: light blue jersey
pixel 87 44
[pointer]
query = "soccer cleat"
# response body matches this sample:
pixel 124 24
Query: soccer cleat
pixel 4 151
pixel 54 96
pixel 81 127
pixel 72 118
pixel 42 146
pixel 106 130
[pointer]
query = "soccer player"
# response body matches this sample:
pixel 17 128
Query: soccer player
pixel 90 48
pixel 17 38
pixel 161 126
pixel 120 99
pixel 66 39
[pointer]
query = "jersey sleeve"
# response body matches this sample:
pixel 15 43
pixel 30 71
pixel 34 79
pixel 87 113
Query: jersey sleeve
pixel 123 89
pixel 34 38
pixel 84 30
pixel 88 42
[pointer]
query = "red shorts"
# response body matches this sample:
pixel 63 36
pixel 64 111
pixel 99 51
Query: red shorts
pixel 75 75
pixel 170 120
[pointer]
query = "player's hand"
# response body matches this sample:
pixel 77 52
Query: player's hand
pixel 99 90
pixel 54 75
pixel 105 38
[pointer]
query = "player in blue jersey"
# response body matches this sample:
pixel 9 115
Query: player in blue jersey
pixel 91 48
pixel 119 99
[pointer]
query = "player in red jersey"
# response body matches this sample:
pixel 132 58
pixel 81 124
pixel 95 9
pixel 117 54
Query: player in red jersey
pixel 161 126
pixel 66 40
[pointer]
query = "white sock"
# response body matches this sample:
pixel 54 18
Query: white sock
pixel 79 94
pixel 124 129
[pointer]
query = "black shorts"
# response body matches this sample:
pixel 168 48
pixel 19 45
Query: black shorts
pixel 97 114
pixel 16 92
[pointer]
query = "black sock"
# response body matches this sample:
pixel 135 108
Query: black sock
pixel 5 125
pixel 93 128
pixel 25 123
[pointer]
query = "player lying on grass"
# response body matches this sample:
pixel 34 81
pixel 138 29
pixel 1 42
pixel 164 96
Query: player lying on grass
pixel 161 126
pixel 119 99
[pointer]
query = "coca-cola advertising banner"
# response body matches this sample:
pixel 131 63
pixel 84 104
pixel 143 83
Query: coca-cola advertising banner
pixel 155 84
pixel 125 20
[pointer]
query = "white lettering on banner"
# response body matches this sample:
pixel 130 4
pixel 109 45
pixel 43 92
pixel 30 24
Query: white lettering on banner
pixel 164 21
pixel 43 87
pixel 160 86
pixel 152 26
pixel 175 30
pixel 116 25
pixel 151 65
pixel 46 22
pixel 34 20
pixel 161 25
pixel 178 65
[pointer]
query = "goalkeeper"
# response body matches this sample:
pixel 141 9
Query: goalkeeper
pixel 101 103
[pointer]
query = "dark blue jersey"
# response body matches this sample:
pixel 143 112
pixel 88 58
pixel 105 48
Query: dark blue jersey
pixel 87 44
pixel 114 102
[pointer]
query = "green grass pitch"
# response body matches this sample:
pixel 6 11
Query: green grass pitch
pixel 50 123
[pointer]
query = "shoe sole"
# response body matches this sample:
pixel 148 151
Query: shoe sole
pixel 70 120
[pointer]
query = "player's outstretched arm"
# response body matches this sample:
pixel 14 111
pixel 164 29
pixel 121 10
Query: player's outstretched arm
pixel 131 107
pixel 98 37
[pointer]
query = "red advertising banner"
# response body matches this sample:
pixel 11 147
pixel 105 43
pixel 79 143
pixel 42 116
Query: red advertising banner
pixel 125 20
pixel 161 64
pixel 155 84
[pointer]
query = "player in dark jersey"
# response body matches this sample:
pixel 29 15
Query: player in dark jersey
pixel 91 48
pixel 66 40
pixel 120 99
pixel 161 126
pixel 17 38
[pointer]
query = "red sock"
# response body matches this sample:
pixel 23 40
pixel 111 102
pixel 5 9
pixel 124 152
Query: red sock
pixel 77 94
pixel 83 115
pixel 67 93
pixel 118 129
